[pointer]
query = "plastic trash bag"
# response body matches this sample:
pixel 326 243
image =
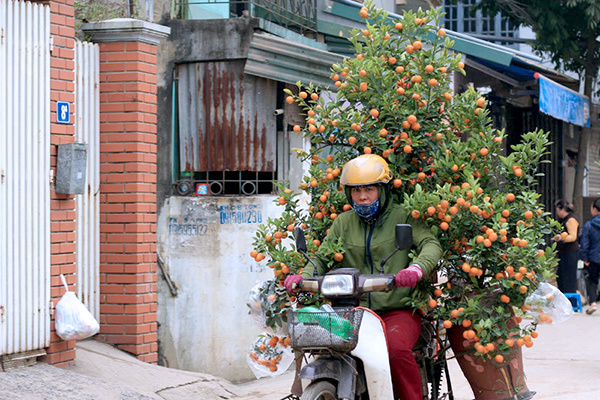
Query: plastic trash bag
pixel 255 305
pixel 72 318
pixel 270 355
pixel 547 305
pixel 265 306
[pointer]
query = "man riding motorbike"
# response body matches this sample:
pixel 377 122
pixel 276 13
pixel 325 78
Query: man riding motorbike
pixel 368 232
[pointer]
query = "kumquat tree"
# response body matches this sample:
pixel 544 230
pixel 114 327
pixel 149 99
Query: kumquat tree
pixel 393 99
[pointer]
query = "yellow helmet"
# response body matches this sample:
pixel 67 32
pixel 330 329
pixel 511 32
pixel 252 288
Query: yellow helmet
pixel 367 169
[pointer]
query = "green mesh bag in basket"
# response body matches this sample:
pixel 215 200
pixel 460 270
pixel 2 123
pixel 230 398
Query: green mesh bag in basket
pixel 311 327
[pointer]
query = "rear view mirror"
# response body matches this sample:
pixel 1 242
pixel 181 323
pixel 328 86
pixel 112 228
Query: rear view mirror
pixel 300 240
pixel 403 236
pixel 403 241
pixel 301 246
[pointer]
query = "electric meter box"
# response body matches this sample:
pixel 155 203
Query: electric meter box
pixel 71 167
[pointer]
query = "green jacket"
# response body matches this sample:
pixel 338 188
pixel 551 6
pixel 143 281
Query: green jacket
pixel 366 245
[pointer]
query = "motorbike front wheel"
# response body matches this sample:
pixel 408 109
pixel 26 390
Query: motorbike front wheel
pixel 320 390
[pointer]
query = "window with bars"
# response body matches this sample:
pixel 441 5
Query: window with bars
pixel 507 29
pixel 469 20
pixel 451 17
pixel 460 18
pixel 488 26
pixel 219 183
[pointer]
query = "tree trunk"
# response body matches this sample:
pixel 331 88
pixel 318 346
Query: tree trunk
pixel 580 170
pixel 584 136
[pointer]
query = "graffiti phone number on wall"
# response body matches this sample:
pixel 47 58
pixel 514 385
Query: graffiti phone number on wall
pixel 240 217
pixel 187 228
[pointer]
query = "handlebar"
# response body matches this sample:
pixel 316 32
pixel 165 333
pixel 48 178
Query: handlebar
pixel 360 283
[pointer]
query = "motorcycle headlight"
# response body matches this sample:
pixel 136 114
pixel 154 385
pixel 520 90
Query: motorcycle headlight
pixel 337 285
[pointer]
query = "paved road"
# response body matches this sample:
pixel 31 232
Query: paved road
pixel 564 364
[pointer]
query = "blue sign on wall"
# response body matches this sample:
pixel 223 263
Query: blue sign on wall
pixel 201 189
pixel 63 112
pixel 563 103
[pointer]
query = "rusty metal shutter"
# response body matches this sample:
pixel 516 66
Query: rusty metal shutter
pixel 226 119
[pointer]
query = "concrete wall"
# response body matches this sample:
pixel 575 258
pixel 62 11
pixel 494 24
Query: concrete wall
pixel 205 242
pixel 206 326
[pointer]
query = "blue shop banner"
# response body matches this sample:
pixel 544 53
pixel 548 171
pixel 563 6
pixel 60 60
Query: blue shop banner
pixel 563 103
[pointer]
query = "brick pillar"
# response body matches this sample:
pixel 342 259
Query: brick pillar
pixel 63 214
pixel 128 176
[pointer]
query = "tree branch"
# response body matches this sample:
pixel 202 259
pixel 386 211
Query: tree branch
pixel 517 9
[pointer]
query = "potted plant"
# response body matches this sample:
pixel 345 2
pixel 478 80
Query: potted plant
pixel 392 98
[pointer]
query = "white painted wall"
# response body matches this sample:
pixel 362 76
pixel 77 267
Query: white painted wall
pixel 205 243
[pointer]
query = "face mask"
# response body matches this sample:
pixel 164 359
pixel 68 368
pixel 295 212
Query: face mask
pixel 366 211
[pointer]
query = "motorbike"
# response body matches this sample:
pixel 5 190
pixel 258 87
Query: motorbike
pixel 343 346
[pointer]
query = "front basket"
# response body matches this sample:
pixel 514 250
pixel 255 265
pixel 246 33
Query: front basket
pixel 336 331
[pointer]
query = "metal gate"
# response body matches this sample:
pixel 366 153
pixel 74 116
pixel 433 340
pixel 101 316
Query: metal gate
pixel 24 176
pixel 551 182
pixel 87 130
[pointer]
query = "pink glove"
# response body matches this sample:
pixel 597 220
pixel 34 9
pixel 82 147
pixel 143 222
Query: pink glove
pixel 292 282
pixel 409 276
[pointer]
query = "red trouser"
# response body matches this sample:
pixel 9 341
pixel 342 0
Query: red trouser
pixel 403 329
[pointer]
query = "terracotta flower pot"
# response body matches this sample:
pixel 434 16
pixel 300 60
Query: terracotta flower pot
pixel 488 379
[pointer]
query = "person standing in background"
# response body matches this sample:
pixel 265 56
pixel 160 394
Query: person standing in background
pixel 590 254
pixel 567 247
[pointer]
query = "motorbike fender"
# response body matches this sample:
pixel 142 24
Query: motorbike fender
pixel 333 368
pixel 373 351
